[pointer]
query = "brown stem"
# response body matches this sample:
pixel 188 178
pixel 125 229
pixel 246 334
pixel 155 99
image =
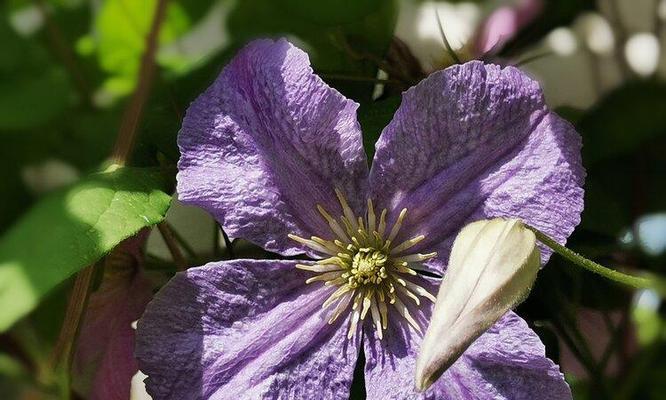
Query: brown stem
pixel 378 61
pixel 62 354
pixel 170 240
pixel 132 115
pixel 64 347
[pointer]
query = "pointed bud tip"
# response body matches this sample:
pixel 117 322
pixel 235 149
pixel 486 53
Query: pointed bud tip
pixel 422 383
pixel 492 267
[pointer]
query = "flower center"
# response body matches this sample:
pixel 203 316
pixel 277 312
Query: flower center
pixel 367 267
pixel 369 271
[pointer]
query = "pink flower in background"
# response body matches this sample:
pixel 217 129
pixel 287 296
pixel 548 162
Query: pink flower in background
pixel 504 23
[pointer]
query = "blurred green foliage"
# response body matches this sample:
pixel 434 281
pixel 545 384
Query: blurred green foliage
pixel 120 29
pixel 72 229
pixel 341 37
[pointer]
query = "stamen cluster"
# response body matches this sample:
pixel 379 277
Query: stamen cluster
pixel 369 271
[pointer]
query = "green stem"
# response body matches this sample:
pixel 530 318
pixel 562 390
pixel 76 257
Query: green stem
pixel 228 244
pixel 449 49
pixel 616 276
pixel 183 243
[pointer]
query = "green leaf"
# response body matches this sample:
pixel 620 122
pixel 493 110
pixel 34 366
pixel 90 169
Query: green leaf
pixel 72 229
pixel 341 39
pixel 121 28
pixel 373 117
pixel 625 119
pixel 29 101
pixel 571 114
pixel 33 90
pixel 11 367
pixel 604 212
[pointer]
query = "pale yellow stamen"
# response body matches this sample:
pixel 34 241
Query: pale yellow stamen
pixel 333 224
pixel 340 307
pixel 365 266
pixel 376 319
pixel 329 276
pixel 383 310
pixel 382 224
pixel 326 244
pixel 311 244
pixel 319 268
pixel 402 267
pixel 407 244
pixel 336 282
pixel 356 314
pixel 406 292
pixel 416 257
pixel 420 291
pixel 332 261
pixel 397 225
pixel 371 217
pixel 402 309
pixel 367 301
pixel 349 228
pixel 347 211
pixel 341 290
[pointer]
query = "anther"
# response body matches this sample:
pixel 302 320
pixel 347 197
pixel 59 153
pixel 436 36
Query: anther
pixel 364 266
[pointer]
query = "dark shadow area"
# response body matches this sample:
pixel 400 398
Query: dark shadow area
pixel 358 382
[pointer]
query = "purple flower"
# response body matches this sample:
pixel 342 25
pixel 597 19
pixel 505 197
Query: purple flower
pixel 276 156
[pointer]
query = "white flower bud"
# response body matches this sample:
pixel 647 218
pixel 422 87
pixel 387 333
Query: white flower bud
pixel 492 267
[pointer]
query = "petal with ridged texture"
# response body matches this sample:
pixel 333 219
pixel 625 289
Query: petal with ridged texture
pixel 507 362
pixel 476 141
pixel 244 329
pixel 266 143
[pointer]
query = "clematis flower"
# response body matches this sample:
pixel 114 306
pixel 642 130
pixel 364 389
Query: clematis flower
pixel 276 156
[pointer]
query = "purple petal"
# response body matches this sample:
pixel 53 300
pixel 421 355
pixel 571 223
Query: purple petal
pixel 266 143
pixel 476 141
pixel 507 362
pixel 511 358
pixel 244 329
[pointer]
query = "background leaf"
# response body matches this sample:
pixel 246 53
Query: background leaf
pixel 33 90
pixel 72 229
pixel 373 118
pixel 621 122
pixel 122 26
pixel 342 39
